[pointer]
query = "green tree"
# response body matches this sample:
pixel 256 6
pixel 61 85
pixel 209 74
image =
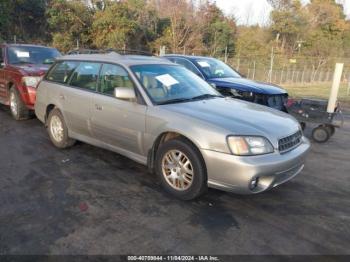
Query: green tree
pixel 114 26
pixel 19 17
pixel 5 14
pixel 70 23
pixel 288 23
pixel 326 33
pixel 218 31
pixel 251 43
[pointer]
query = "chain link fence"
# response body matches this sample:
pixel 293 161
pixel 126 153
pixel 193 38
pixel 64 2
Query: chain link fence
pixel 281 69
pixel 299 71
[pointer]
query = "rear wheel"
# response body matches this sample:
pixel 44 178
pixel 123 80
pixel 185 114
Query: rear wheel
pixel 181 169
pixel 321 134
pixel 58 130
pixel 19 111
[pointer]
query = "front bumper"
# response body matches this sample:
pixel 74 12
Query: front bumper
pixel 235 173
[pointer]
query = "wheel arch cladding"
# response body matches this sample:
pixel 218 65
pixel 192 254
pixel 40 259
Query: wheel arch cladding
pixel 164 137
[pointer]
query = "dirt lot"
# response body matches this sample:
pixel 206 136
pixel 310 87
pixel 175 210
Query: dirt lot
pixel 87 200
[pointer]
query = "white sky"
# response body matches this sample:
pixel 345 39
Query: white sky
pixel 256 11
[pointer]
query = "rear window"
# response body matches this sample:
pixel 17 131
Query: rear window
pixel 62 71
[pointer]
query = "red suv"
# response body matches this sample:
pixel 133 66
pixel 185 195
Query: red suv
pixel 21 69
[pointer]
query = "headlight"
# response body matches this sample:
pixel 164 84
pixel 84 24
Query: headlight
pixel 31 81
pixel 249 145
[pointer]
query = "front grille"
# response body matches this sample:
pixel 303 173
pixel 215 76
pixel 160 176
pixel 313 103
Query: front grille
pixel 290 142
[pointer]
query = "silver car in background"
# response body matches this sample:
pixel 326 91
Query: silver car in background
pixel 167 118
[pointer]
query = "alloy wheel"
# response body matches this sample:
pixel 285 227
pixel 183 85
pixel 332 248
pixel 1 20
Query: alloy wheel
pixel 56 128
pixel 177 170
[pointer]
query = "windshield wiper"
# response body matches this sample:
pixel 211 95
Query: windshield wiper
pixel 180 100
pixel 174 101
pixel 205 96
pixel 21 62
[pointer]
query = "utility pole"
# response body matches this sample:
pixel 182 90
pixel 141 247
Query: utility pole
pixel 335 87
pixel 226 54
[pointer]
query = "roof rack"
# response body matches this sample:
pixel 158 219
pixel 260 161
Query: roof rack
pixel 130 52
pixel 84 51
pixel 109 50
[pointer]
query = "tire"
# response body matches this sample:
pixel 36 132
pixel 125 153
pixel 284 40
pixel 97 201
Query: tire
pixel 303 125
pixel 58 131
pixel 180 182
pixel 321 134
pixel 19 110
pixel 331 129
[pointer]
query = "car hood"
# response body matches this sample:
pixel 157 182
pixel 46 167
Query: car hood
pixel 32 69
pixel 239 117
pixel 244 84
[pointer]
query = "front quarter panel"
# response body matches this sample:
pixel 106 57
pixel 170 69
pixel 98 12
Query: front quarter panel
pixel 203 134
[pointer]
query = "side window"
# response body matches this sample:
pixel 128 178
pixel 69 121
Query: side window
pixel 188 65
pixel 61 71
pixel 85 76
pixel 113 76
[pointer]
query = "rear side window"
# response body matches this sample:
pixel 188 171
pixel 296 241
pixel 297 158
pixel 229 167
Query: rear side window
pixel 62 71
pixel 85 76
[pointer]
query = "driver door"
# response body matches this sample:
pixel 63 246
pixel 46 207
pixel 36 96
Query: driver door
pixel 116 122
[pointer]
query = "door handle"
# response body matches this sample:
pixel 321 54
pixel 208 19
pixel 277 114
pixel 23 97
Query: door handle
pixel 61 96
pixel 98 107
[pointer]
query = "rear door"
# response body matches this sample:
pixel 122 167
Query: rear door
pixel 77 97
pixel 117 122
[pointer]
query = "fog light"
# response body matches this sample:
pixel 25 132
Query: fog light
pixel 254 183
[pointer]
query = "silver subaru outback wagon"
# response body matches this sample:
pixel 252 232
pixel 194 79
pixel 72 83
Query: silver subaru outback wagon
pixel 167 118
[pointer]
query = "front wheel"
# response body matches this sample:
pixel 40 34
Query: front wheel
pixel 19 111
pixel 181 169
pixel 58 130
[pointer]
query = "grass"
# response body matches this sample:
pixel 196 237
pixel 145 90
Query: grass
pixel 321 90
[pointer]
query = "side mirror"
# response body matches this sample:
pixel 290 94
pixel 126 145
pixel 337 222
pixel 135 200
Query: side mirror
pixel 125 93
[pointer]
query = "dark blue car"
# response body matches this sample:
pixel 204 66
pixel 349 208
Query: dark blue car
pixel 230 83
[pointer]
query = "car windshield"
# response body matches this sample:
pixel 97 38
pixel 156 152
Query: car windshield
pixel 167 84
pixel 32 55
pixel 213 68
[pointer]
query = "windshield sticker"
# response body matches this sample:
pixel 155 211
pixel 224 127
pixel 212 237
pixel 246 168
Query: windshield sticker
pixel 167 80
pixel 203 64
pixel 22 54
